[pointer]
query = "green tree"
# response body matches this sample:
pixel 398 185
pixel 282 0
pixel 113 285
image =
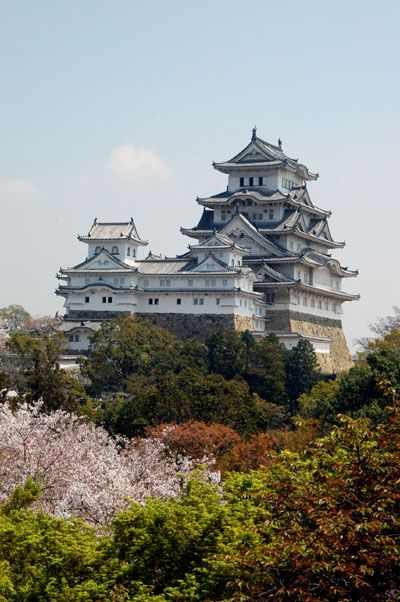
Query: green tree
pixel 302 372
pixel 265 370
pixel 15 316
pixel 225 353
pixel 127 347
pixel 187 395
pixel 39 375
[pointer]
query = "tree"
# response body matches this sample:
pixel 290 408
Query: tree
pixel 15 316
pixel 225 351
pixel 302 372
pixel 197 439
pixel 82 470
pixel 183 396
pixel 39 375
pixel 126 348
pixel 265 370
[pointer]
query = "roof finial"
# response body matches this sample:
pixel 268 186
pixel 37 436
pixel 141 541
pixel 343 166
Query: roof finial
pixel 254 134
pixel 95 221
pixel 279 143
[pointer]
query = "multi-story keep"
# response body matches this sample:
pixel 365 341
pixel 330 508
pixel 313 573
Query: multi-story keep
pixel 261 261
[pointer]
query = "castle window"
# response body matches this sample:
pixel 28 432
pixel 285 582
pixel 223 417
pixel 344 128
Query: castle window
pixel 115 251
pixel 260 181
pixel 254 216
pixel 271 214
pixel 155 301
pixel 97 250
pixel 305 301
pixel 76 338
pixel 87 299
pixel 110 299
pixel 179 301
pixel 71 338
pixel 270 297
pixel 146 283
pixel 104 300
pixel 150 301
pixel 312 303
pixel 260 216
pixel 251 180
pixel 201 301
pixel 133 252
pixel 128 251
pixel 223 216
pixel 195 301
pixel 218 301
pixel 164 282
pixel 319 304
pixel 190 282
pixel 326 305
pixel 224 283
pixel 241 182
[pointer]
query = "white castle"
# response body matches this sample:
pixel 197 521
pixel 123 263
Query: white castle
pixel 260 261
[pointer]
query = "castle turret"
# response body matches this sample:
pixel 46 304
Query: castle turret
pixel 267 210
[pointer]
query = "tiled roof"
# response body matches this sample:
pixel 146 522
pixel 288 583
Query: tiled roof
pixel 262 154
pixel 165 266
pixel 68 325
pixel 113 231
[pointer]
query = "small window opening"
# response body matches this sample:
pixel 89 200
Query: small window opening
pixel 87 299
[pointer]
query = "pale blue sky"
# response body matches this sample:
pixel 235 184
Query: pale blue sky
pixel 84 81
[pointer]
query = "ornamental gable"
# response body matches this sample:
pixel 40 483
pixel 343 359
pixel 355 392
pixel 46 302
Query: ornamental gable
pixel 103 261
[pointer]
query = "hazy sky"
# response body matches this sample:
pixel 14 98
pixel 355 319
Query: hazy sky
pixel 113 109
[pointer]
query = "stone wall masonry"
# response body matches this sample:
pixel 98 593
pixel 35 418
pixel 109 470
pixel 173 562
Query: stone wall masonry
pixel 338 359
pixel 94 315
pixel 186 326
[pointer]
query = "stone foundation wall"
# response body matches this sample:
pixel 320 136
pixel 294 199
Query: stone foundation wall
pixel 338 359
pixel 94 315
pixel 186 326
pixel 242 323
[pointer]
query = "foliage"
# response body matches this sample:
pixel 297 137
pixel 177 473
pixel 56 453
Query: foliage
pixel 302 372
pixel 196 439
pixel 15 316
pixel 259 363
pixel 82 470
pixel 40 377
pixel 183 396
pixel 126 348
pixel 360 391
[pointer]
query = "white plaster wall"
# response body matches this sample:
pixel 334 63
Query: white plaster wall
pixel 123 246
pixel 270 179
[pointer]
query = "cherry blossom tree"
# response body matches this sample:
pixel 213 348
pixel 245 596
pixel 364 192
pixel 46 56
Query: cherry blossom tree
pixel 83 471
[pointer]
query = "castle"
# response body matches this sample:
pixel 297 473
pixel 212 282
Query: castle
pixel 260 261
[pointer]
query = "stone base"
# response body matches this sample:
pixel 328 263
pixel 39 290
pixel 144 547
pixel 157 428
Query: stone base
pixel 84 315
pixel 186 326
pixel 338 359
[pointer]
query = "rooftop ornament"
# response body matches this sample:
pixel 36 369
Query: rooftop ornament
pixel 254 133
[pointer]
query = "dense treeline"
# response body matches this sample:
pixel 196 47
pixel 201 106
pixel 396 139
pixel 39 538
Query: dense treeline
pixel 320 525
pixel 307 508
pixel 139 375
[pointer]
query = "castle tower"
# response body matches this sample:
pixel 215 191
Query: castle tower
pixel 267 210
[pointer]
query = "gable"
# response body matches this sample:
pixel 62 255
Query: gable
pixel 103 261
pixel 212 264
pixel 246 235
